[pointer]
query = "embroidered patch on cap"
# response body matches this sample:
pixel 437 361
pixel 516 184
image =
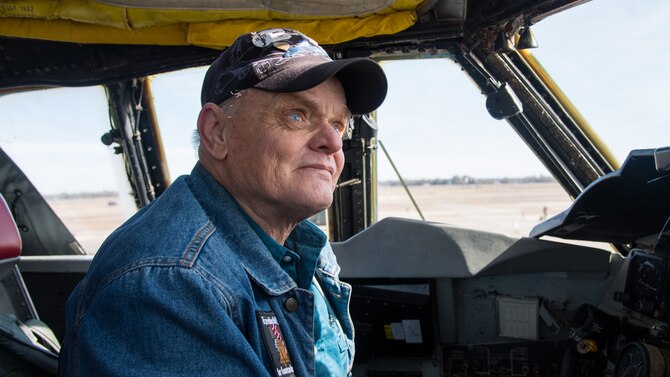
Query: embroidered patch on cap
pixel 274 342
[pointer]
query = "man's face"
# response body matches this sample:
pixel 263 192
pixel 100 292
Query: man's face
pixel 285 149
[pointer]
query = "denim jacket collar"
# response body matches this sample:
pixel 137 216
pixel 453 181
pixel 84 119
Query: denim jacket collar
pixel 254 256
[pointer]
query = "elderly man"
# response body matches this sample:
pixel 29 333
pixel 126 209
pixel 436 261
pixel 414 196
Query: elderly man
pixel 222 275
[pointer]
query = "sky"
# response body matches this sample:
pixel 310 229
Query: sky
pixel 609 56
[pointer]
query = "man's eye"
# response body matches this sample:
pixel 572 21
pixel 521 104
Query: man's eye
pixel 343 125
pixel 340 127
pixel 295 116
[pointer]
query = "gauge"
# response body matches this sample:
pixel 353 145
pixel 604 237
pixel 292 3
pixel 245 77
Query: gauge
pixel 645 283
pixel 641 360
pixel 632 362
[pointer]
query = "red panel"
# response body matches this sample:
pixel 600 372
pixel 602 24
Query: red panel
pixel 10 239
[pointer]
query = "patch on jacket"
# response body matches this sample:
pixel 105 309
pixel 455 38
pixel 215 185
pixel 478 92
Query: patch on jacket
pixel 274 342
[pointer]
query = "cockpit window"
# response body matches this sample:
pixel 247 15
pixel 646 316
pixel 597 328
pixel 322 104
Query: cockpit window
pixel 614 73
pixel 462 166
pixel 177 103
pixel 53 136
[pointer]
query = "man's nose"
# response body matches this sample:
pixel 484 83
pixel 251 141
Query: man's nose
pixel 327 138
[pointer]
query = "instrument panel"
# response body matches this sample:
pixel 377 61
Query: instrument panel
pixel 485 304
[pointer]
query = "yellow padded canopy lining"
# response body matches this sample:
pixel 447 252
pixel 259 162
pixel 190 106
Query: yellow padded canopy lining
pixel 82 21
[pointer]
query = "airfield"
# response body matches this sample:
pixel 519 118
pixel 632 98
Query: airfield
pixel 510 208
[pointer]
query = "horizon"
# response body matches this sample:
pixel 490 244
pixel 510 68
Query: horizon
pixel 409 182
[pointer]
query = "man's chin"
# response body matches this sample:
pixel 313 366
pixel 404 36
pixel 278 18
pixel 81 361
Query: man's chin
pixel 318 208
pixel 307 210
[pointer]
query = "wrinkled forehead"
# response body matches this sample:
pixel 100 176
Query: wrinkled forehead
pixel 327 98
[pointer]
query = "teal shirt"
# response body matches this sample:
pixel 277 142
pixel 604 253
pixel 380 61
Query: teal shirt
pixel 298 257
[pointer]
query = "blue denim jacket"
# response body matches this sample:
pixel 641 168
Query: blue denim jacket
pixel 186 288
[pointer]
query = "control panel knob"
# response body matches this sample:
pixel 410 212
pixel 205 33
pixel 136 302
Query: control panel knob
pixel 623 297
pixel 644 306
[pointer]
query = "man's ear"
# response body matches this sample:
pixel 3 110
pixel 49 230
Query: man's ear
pixel 211 130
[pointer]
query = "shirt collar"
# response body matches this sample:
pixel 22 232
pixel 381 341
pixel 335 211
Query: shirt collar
pixel 306 240
pixel 303 245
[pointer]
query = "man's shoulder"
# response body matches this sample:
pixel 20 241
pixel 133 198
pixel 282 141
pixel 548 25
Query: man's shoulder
pixel 162 228
pixel 172 231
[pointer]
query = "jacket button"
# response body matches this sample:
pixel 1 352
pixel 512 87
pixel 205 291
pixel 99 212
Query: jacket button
pixel 291 304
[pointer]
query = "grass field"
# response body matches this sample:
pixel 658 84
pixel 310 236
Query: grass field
pixel 512 209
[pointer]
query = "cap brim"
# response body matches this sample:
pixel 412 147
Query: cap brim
pixel 363 80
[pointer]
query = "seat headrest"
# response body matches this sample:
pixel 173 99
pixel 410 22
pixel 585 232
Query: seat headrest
pixel 10 239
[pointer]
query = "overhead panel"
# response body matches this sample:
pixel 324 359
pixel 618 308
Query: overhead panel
pixel 201 22
pixel 310 8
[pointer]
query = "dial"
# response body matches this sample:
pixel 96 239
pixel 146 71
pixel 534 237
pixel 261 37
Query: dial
pixel 645 283
pixel 641 360
pixel 633 361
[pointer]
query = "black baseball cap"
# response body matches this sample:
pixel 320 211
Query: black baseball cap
pixel 285 60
